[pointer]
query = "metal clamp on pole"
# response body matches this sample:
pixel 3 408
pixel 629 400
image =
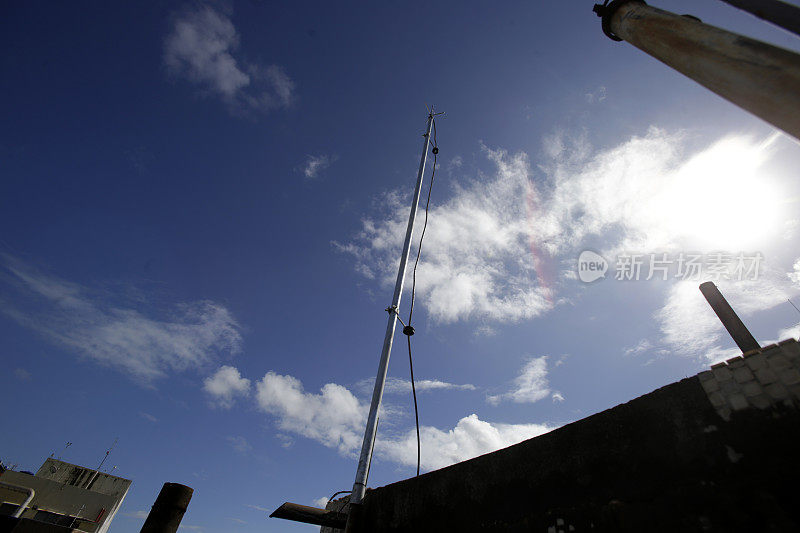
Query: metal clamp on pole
pixel 606 10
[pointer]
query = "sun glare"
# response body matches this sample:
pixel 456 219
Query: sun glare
pixel 721 199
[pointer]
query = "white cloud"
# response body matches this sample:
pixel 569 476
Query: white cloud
pixel 96 326
pixel 557 397
pixel 320 503
pixel 225 385
pixel 315 164
pixel 336 418
pixel 22 374
pixel 403 386
pixel 494 249
pixel 141 514
pixel 201 48
pixel 470 438
pixel 531 385
pixel 239 444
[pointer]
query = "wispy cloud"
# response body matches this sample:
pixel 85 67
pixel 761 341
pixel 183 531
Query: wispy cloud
pixel 690 327
pixel 225 386
pixel 335 418
pixel 201 47
pixel 129 336
pixel 258 508
pixel 239 444
pixel 531 385
pixel 596 96
pixel 148 417
pixel 314 165
pixel 142 514
pixel 403 386
pixel 495 250
pixel 22 374
pixel 641 347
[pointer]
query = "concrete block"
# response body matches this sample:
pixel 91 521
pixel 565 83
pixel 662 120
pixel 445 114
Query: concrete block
pixel 717 399
pixel 722 373
pixel 777 391
pixel 795 391
pixel 752 389
pixel 790 376
pixel 778 362
pixel 738 402
pixel 724 413
pixel 761 401
pixel 757 361
pixel 736 362
pixel 750 353
pixel 766 376
pixel 705 376
pixel 743 374
pixel 710 386
pixel 729 387
pixel 790 348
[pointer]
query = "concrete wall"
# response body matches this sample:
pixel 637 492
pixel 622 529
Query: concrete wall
pixel 714 452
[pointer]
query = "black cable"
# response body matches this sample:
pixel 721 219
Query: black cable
pixel 408 330
pixel 414 392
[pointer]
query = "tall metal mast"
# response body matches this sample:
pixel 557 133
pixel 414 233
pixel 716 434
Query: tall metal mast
pixel 360 485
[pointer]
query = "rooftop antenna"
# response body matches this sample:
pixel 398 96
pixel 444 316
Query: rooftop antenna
pixel 97 470
pixel 302 513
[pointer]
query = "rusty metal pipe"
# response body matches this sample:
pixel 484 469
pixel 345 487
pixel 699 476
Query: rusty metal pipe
pixel 741 335
pixel 758 77
pixel 168 509
pixel 310 515
pixel 779 13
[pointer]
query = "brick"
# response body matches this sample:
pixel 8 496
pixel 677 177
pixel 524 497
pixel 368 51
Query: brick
pixel 757 361
pixel 752 389
pixel 766 376
pixel 722 373
pixel 743 375
pixel 738 402
pixel 719 365
pixel 761 401
pixel 770 348
pixel 778 362
pixel 710 386
pixel 705 376
pixel 750 353
pixel 717 399
pixel 724 413
pixel 790 376
pixel 777 391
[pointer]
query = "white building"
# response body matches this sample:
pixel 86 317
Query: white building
pixel 64 494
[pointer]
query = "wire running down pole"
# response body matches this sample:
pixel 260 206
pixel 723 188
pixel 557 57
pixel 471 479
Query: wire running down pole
pixel 360 484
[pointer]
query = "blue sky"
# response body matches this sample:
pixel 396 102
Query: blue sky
pixel 202 204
